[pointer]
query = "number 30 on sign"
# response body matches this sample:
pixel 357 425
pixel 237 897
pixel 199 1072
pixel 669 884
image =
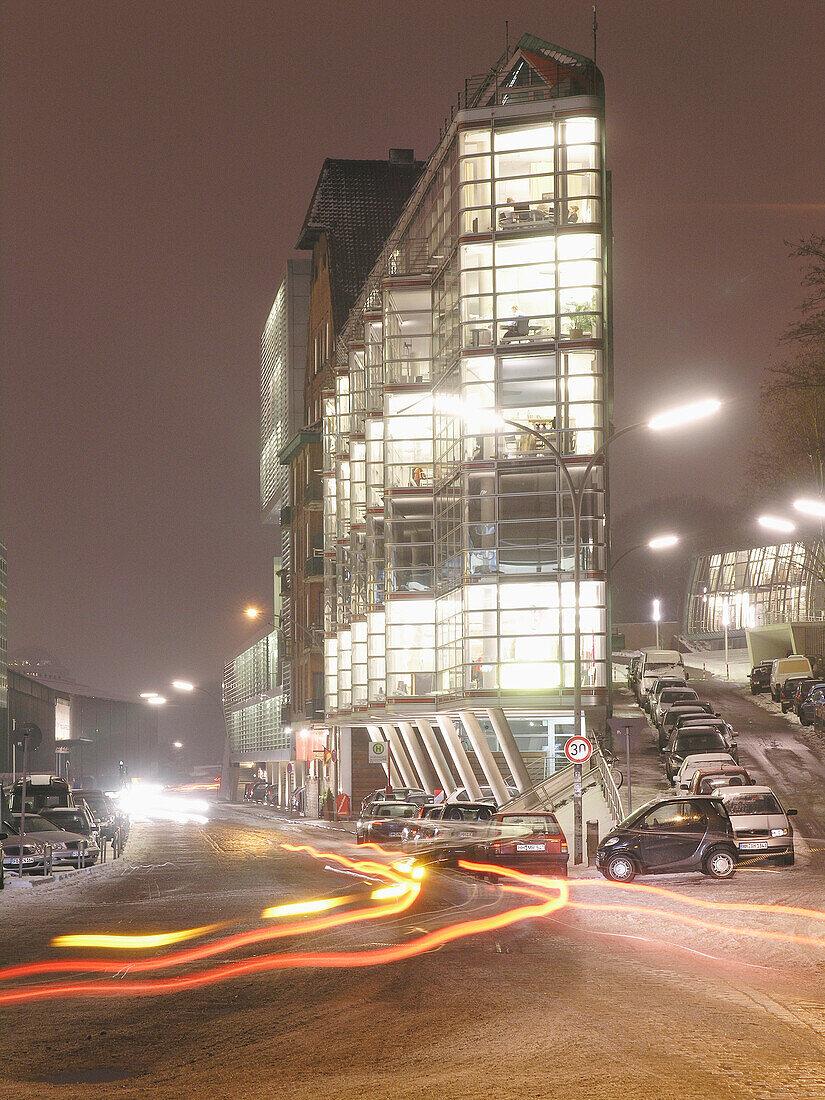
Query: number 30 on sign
pixel 578 749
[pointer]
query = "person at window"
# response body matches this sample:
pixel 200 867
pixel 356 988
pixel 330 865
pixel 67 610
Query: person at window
pixel 517 327
pixel 417 475
pixel 475 674
pixel 572 215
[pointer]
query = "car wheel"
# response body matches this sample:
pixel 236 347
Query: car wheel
pixel 804 721
pixel 620 868
pixel 754 690
pixel 787 860
pixel 720 864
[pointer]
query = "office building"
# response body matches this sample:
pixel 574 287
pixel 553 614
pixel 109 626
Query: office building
pixel 447 544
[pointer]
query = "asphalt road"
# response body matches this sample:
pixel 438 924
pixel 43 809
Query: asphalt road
pixel 585 1003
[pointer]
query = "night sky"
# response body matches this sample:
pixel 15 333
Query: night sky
pixel 158 159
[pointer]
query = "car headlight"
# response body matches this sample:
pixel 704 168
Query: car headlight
pixel 60 847
pixel 609 840
pixel 779 832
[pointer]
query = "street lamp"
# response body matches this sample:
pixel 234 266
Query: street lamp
pixel 776 523
pixel 660 542
pixel 672 418
pixel 657 615
pixel 810 506
pixel 252 612
pixel 182 685
pixel 156 700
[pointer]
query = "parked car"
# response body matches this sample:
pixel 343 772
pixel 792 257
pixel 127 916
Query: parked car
pixel 256 791
pixel 678 711
pixel 709 722
pixel 698 762
pixel 633 667
pixel 783 667
pixel 787 691
pixel 760 677
pixel 720 775
pixel 675 681
pixel 533 843
pixel 656 663
pixel 808 710
pixel 803 690
pixel 396 794
pixel 452 832
pixel 463 795
pixel 41 790
pixel 694 742
pixel 66 846
pixel 412 829
pixel 78 820
pixel 671 836
pixel 762 827
pixel 109 818
pixel 669 698
pixel 383 822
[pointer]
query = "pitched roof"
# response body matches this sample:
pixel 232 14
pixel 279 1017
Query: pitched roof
pixel 356 202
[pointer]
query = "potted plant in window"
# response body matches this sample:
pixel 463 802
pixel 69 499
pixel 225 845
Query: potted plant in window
pixel 582 321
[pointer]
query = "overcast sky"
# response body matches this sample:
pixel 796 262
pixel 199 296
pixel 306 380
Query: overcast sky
pixel 158 159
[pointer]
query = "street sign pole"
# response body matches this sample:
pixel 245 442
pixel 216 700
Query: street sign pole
pixel 389 769
pixel 629 786
pixel 578 749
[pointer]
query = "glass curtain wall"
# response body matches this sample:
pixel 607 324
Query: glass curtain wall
pixel 467 550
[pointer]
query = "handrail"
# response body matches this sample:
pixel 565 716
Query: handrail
pixel 608 784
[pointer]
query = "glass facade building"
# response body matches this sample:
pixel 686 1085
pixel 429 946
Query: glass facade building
pixel 448 544
pixel 753 587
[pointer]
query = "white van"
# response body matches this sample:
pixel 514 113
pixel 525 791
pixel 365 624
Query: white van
pixel 656 663
pixel 783 667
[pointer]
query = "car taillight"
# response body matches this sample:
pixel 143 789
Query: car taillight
pixel 564 845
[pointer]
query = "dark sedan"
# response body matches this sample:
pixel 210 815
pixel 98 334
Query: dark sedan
pixel 694 742
pixel 383 822
pixel 808 710
pixel 671 719
pixel 760 677
pixel 802 693
pixel 671 836
pixel 788 690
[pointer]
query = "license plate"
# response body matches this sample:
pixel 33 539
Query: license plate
pixel 12 861
pixel 529 847
pixel 752 845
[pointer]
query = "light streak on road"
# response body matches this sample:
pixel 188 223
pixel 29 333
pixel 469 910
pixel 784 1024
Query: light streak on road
pixel 533 896
pixel 133 943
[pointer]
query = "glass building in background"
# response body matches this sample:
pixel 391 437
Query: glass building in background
pixel 754 587
pixel 448 547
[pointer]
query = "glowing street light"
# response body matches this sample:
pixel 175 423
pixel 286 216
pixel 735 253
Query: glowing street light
pixel 810 507
pixel 182 685
pixel 252 612
pixel 177 744
pixel 149 695
pixel 156 700
pixel 777 523
pixel 684 414
pixel 663 542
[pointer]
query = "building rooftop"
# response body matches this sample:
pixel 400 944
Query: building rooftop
pixel 357 203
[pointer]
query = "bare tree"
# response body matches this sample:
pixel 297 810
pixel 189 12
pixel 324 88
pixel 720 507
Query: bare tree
pixel 812 325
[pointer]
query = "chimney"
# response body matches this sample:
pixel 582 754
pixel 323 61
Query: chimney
pixel 402 156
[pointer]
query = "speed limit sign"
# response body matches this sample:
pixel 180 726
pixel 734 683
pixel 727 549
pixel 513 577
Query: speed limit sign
pixel 578 749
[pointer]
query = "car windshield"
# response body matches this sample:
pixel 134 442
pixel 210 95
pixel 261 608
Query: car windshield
pixel 35 824
pixel 74 822
pixel 534 824
pixel 763 802
pixel 696 743
pixel 394 809
pixel 711 783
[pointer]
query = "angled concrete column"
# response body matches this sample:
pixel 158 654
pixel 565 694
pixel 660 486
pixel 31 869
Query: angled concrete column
pixel 399 756
pixel 460 759
pixel 416 751
pixel 485 756
pixel 518 769
pixel 445 776
pixel 395 779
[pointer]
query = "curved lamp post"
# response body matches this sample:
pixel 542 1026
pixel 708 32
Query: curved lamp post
pixel 673 418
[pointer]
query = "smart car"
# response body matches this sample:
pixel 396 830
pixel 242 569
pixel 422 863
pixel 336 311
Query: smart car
pixel 671 836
